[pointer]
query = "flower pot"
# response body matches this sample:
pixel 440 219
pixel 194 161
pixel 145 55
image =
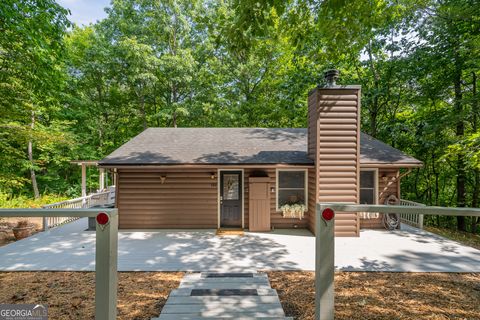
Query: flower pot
pixel 21 233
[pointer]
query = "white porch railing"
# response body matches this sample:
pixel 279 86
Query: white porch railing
pixel 95 199
pixel 412 219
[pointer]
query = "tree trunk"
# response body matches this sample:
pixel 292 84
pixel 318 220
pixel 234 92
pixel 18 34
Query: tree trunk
pixel 476 172
pixel 373 109
pixel 30 158
pixel 174 100
pixel 142 110
pixel 174 119
pixel 459 133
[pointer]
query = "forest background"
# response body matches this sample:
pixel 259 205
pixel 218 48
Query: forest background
pixel 78 92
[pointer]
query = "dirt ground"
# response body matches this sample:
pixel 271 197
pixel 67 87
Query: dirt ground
pixel 383 295
pixel 6 225
pixel 359 295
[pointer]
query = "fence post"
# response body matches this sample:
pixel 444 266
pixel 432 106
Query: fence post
pixel 420 221
pixel 324 263
pixel 106 269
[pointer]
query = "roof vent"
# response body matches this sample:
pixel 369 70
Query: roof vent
pixel 331 77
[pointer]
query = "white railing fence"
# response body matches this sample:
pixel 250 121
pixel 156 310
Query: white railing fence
pixel 412 219
pixel 95 199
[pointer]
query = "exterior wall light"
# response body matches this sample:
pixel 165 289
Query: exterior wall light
pixel 163 178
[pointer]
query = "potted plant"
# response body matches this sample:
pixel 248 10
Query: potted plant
pixel 22 230
pixel 293 210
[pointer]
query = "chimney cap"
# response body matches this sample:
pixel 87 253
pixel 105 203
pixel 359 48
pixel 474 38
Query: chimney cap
pixel 331 77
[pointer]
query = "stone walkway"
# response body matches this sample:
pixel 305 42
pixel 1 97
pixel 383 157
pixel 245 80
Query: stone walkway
pixel 223 295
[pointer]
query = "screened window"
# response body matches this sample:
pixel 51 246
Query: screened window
pixel 291 187
pixel 368 192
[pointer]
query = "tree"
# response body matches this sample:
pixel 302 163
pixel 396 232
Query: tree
pixel 30 77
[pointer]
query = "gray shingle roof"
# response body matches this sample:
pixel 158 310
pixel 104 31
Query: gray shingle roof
pixel 235 146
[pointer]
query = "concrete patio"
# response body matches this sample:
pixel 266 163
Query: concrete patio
pixel 71 248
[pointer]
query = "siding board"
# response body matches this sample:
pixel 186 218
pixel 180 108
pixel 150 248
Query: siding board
pixel 187 199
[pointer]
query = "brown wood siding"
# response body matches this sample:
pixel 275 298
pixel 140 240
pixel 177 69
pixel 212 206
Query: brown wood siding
pixel 312 125
pixel 312 196
pixel 337 151
pixel 276 219
pixel 386 187
pixel 187 199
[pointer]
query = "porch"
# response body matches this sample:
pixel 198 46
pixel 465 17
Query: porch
pixel 70 247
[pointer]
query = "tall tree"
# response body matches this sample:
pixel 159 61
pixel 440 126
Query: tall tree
pixel 31 50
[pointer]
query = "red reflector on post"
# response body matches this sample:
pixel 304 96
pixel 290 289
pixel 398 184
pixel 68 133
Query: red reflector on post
pixel 328 214
pixel 102 218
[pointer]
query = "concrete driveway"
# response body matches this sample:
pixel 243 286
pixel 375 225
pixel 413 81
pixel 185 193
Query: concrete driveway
pixel 71 248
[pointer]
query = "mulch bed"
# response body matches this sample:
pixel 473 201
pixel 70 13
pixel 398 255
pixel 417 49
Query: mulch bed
pixel 71 295
pixel 382 295
pixel 358 295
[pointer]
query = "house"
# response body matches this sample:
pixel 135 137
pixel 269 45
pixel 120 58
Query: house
pixel 241 177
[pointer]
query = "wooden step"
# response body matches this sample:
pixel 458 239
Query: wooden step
pixel 223 296
pixel 236 317
pixel 234 300
pixel 186 292
pixel 218 309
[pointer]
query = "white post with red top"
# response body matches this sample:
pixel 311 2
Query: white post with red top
pixel 324 263
pixel 106 266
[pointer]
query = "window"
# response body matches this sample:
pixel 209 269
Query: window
pixel 368 189
pixel 291 187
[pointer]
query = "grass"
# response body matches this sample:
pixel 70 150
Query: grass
pixel 466 238
pixel 358 295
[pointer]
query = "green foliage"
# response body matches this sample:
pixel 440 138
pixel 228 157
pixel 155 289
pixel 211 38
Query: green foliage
pixel 80 93
pixel 22 201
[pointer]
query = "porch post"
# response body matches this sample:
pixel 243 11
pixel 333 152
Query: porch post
pixel 84 182
pixel 106 269
pixel 101 184
pixel 324 265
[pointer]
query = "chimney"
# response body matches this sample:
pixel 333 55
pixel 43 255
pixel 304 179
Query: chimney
pixel 331 77
pixel 334 145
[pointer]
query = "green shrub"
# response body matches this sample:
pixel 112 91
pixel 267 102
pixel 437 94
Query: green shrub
pixel 21 201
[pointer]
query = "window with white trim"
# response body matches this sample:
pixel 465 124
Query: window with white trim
pixel 368 190
pixel 291 187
